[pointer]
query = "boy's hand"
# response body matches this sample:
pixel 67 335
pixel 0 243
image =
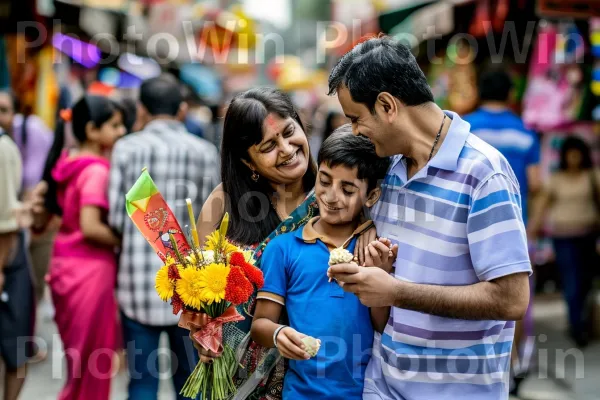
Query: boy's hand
pixel 381 253
pixel 289 344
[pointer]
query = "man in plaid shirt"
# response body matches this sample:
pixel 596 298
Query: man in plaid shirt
pixel 182 166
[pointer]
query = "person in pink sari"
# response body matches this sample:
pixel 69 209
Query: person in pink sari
pixel 83 265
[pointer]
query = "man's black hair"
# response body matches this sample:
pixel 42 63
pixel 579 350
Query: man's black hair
pixel 381 65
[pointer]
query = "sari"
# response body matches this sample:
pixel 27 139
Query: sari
pixel 261 372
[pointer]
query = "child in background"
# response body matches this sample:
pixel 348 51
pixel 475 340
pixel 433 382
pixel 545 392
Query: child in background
pixel 295 267
pixel 83 265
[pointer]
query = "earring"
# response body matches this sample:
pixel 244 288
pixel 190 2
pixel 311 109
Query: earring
pixel 255 176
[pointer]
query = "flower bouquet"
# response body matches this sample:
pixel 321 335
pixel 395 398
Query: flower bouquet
pixel 205 285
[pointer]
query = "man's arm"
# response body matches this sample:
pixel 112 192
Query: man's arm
pixel 116 191
pixel 505 298
pixel 534 179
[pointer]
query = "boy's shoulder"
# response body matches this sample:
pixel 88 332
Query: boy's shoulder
pixel 286 240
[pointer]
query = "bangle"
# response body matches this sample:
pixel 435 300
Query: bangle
pixel 277 333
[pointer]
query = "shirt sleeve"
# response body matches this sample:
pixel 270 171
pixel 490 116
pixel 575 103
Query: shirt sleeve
pixel 496 233
pixel 94 186
pixel 10 178
pixel 38 148
pixel 533 155
pixel 116 191
pixel 273 266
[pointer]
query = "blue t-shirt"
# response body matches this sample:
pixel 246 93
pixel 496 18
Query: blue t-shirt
pixel 296 270
pixel 505 131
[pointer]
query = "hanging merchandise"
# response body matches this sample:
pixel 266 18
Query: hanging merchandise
pixel 118 79
pixel 462 84
pixel 140 67
pixel 84 53
pixel 293 75
pixel 203 80
pixel 47 89
pixel 554 95
pixel 595 81
pixel 490 14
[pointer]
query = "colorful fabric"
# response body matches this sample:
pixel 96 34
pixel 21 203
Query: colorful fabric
pixel 82 280
pixel 505 131
pixel 262 370
pixel 338 370
pixel 457 222
pixel 81 181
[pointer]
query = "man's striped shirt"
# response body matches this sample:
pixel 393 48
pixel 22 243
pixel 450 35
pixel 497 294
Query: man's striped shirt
pixel 457 222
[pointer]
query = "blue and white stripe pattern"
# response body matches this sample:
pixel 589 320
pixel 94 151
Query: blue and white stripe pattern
pixel 458 221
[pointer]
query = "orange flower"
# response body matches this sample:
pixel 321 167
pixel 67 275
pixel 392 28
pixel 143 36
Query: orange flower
pixel 238 289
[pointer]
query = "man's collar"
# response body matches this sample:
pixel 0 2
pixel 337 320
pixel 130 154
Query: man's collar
pixel 160 124
pixel 449 152
pixel 447 156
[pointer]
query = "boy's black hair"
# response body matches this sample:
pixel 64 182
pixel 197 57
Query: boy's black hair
pixel 343 148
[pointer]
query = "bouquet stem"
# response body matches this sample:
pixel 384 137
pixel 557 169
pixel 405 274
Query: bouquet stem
pixel 215 378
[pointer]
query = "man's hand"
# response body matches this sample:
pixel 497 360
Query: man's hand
pixel 289 344
pixel 361 244
pixel 37 197
pixel 373 286
pixel 381 253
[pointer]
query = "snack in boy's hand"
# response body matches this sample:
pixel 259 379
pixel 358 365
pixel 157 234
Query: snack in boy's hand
pixel 312 345
pixel 340 256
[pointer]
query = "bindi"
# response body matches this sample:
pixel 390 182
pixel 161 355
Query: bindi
pixel 270 121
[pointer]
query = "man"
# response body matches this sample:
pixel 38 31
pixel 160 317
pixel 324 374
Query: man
pixel 33 139
pixel 451 203
pixel 495 123
pixel 181 165
pixel 16 300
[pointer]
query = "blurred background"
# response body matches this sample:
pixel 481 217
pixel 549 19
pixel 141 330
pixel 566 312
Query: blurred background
pixel 53 51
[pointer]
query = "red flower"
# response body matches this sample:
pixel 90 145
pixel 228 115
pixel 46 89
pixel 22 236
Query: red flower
pixel 253 274
pixel 177 303
pixel 173 272
pixel 238 289
pixel 237 259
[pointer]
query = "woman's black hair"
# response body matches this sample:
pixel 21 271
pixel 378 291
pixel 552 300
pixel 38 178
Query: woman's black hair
pixel 95 109
pixel 247 202
pixel 575 143
pixel 128 108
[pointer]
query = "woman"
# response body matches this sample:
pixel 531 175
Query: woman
pixel 83 265
pixel 268 176
pixel 572 198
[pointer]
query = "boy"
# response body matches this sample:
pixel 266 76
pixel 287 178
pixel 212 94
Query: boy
pixel 295 267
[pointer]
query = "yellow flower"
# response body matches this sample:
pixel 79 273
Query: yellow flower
pixel 214 281
pixel 189 288
pixel 170 260
pixel 212 243
pixel 164 286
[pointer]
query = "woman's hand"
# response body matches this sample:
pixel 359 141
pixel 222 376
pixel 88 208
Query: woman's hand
pixel 361 244
pixel 206 356
pixel 381 253
pixel 289 344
